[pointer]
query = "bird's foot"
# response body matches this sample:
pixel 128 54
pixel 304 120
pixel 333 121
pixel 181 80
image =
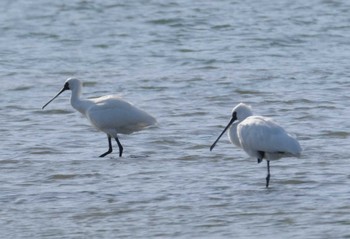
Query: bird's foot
pixel 104 154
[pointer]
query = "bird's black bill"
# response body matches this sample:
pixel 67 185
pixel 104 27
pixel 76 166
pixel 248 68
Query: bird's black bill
pixel 228 126
pixel 63 89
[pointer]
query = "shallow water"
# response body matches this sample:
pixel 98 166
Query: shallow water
pixel 187 64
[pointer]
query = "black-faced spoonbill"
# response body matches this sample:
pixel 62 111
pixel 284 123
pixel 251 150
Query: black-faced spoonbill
pixel 260 137
pixel 108 114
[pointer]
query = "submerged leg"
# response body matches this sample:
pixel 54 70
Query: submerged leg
pixel 268 174
pixel 120 146
pixel 110 147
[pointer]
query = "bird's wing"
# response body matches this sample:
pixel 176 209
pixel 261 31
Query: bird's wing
pixel 263 134
pixel 113 113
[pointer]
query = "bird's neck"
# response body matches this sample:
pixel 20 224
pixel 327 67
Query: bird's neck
pixel 77 103
pixel 233 134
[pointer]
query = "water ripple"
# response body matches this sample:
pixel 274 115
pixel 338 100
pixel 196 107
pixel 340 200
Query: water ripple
pixel 188 63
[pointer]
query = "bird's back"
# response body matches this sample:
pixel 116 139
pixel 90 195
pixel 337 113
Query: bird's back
pixel 258 133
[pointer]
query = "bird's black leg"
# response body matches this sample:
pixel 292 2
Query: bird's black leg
pixel 260 158
pixel 110 149
pixel 120 146
pixel 268 174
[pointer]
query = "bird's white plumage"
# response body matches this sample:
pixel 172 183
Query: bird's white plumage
pixel 110 114
pixel 261 134
pixel 123 117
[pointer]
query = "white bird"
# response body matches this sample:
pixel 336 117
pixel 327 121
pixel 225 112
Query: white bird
pixel 108 114
pixel 260 137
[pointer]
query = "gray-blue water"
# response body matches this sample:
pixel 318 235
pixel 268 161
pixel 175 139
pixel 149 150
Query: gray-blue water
pixel 187 63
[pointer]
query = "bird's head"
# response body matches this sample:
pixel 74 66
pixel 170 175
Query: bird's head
pixel 239 112
pixel 72 84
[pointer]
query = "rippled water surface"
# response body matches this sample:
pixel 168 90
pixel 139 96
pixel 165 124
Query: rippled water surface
pixel 187 63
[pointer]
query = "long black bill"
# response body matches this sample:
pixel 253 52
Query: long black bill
pixel 228 126
pixel 63 89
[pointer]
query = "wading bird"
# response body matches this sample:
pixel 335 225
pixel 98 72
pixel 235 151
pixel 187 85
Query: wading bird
pixel 108 114
pixel 259 137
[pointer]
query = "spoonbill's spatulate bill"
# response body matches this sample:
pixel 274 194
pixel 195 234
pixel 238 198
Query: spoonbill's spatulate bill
pixel 108 114
pixel 260 137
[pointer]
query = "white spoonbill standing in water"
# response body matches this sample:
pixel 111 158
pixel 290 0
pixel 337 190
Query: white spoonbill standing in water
pixel 260 137
pixel 108 114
